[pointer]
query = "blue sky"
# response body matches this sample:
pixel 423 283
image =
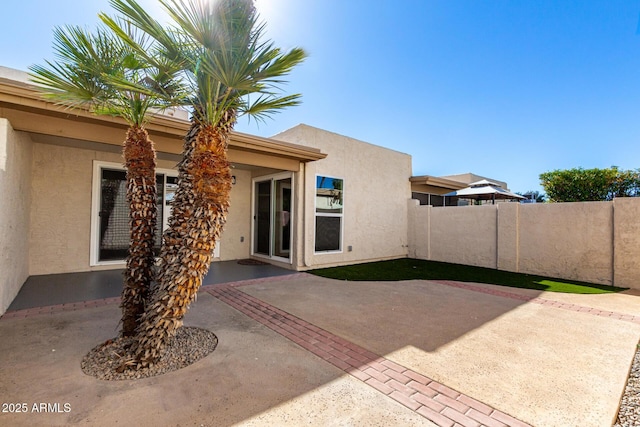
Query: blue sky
pixel 505 89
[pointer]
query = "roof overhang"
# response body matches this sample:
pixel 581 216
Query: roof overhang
pixel 434 181
pixel 25 108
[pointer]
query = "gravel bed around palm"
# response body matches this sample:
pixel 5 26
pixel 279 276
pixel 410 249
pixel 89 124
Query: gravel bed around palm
pixel 187 347
pixel 629 414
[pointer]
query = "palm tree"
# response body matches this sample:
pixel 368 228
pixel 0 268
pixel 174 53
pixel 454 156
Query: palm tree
pixel 232 72
pixel 88 73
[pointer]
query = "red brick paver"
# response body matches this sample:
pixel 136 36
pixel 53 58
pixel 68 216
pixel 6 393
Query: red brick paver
pixel 52 309
pixel 542 301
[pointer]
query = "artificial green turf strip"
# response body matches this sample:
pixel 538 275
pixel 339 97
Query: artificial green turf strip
pixel 409 269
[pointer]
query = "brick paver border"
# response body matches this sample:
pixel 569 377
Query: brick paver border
pixel 52 309
pixel 542 301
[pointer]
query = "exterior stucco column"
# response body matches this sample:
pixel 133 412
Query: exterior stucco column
pixel 15 188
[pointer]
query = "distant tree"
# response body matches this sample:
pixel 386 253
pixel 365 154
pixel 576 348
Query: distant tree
pixel 627 184
pixel 581 185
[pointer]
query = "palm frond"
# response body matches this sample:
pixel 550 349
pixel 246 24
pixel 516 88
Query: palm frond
pixel 138 17
pixel 267 105
pixel 109 72
pixel 280 65
pixel 219 47
pixel 64 85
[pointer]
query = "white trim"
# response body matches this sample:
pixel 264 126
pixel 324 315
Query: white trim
pixel 98 165
pixel 280 196
pixel 331 215
pixel 290 176
pixel 272 178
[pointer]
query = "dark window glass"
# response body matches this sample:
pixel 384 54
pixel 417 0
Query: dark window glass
pixel 329 210
pixel 114 215
pixel 263 217
pixel 328 230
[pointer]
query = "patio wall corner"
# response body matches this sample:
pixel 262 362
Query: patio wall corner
pixel 15 187
pixel 419 226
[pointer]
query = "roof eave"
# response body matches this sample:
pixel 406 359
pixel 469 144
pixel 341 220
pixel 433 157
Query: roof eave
pixel 437 182
pixel 21 95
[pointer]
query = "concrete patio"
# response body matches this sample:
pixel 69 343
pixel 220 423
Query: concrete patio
pixel 299 349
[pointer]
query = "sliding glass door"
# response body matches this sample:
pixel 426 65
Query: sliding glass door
pixel 262 218
pixel 273 216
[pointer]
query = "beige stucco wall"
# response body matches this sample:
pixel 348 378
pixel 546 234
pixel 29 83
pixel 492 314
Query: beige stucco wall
pixel 60 234
pixel 597 242
pixel 626 238
pixel 568 240
pixel 418 230
pixel 474 243
pixel 61 210
pixel 235 242
pixel 455 234
pixel 376 190
pixel 15 181
pixel 508 244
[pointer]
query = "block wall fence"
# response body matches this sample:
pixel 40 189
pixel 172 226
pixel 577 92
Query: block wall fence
pixel 597 242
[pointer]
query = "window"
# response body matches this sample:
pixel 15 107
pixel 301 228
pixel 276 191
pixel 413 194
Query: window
pixel 110 211
pixel 329 214
pixel 436 199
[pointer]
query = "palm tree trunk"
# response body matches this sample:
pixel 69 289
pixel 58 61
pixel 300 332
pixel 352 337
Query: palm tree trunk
pixel 199 212
pixel 140 161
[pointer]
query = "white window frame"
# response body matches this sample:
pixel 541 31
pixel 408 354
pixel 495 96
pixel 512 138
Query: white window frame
pixel 98 165
pixel 333 215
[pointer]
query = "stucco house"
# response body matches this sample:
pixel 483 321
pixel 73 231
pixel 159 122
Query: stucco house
pixel 301 199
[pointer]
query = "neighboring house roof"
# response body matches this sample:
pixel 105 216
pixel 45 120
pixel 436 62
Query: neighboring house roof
pixel 22 104
pixel 484 183
pixel 484 190
pixel 447 185
pixel 469 178
pixel 439 182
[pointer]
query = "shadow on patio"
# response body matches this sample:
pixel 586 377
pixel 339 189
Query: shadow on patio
pixel 507 353
pixel 53 289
